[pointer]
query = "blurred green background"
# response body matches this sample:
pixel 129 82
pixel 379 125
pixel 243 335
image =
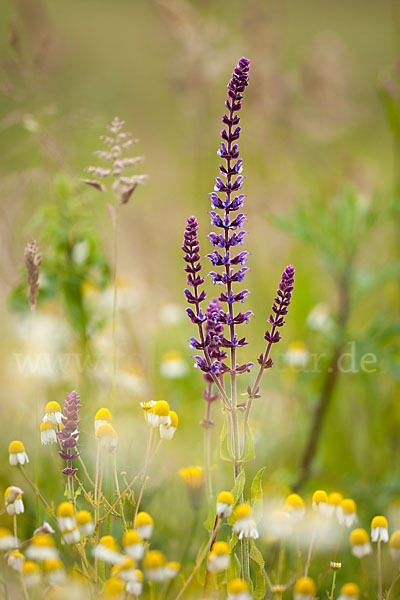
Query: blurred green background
pixel 320 117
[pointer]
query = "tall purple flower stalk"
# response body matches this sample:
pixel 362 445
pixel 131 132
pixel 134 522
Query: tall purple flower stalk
pixel 69 435
pixel 227 199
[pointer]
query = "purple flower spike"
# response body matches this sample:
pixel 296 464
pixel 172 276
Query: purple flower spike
pixel 280 306
pixel 70 434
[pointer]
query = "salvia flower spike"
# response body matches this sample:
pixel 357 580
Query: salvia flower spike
pixel 69 434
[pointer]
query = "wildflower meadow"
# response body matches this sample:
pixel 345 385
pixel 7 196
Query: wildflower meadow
pixel 200 302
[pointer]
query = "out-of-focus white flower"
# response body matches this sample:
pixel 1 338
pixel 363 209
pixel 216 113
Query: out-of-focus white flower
pixel 7 540
pixel 304 589
pixel 85 523
pixel 225 502
pixel 379 529
pixel 42 547
pixel 114 589
pixel 244 525
pixel 54 571
pixel 295 507
pixel 48 433
pixel 154 565
pixel 108 550
pixel 320 502
pixel 297 355
pixel 347 512
pixel 107 436
pixel 135 587
pixel 132 380
pixel 349 591
pixel 103 417
pixel 167 431
pixel 394 545
pixel 13 500
pixel 15 560
pixel 171 569
pixel 53 413
pixel 144 525
pixel 279 524
pixel 30 573
pixel 133 544
pixel 66 515
pixel 238 590
pixel 80 252
pixel 360 545
pixel 219 558
pixel 159 414
pixel 17 454
pixel 71 536
pixel 44 528
pixel 126 570
pixel 173 365
pixel 171 313
pixel 334 501
pixel 319 319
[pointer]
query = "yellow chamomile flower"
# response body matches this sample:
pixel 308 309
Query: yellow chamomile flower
pixel 53 413
pixel 295 507
pixel 360 545
pixel 133 544
pixel 304 589
pixel 15 560
pixel 219 558
pixel 126 570
pixel 347 512
pixel 135 587
pixel 48 433
pixel 173 365
pixel 244 524
pixel 114 589
pixel 66 515
pixel 349 591
pixel 225 502
pixel 144 525
pixel 71 536
pixel 154 565
pixel 159 414
pixel 320 502
pixel 238 590
pixel 13 500
pixel 84 520
pixel 7 540
pixel 30 573
pixel 148 410
pixel 42 547
pixel 379 529
pixel 171 569
pixel 167 431
pixel 334 500
pixel 194 480
pixel 103 417
pixel 394 545
pixel 107 436
pixel 108 550
pixel 17 454
pixel 297 355
pixel 54 571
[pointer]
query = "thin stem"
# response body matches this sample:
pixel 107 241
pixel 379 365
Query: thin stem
pixel 118 492
pixel 15 526
pixel 395 579
pixel 310 549
pixel 333 585
pixel 379 559
pixel 145 468
pixel 114 310
pixel 38 492
pixel 207 547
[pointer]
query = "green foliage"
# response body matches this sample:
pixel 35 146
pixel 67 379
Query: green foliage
pixel 257 494
pixel 72 258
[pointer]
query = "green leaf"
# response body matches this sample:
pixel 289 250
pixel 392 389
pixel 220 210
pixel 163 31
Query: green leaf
pixel 248 452
pixel 257 493
pixel 260 586
pixel 238 488
pixel 225 453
